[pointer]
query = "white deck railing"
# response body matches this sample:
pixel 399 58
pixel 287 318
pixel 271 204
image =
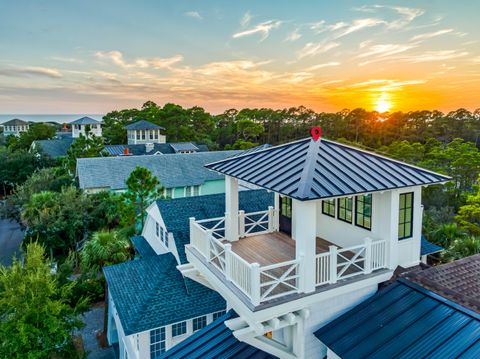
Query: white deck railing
pixel 263 283
pixel 350 261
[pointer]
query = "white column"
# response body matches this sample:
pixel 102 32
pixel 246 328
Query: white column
pixel 231 208
pixel 304 223
pixel 277 211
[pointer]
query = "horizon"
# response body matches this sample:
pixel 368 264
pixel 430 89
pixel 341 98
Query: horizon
pixel 384 56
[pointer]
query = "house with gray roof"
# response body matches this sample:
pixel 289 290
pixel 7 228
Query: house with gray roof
pixel 14 127
pixel 54 148
pixel 182 175
pixel 155 149
pixel 86 126
pixel 142 132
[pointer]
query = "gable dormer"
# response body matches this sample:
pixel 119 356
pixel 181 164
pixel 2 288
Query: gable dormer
pixel 144 132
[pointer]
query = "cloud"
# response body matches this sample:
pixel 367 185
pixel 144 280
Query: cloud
pixel 437 56
pixel 245 20
pixel 430 35
pixel 31 71
pixel 407 16
pixel 66 59
pixel 263 28
pixel 293 36
pixel 156 62
pixel 312 49
pixel 356 25
pixel 321 66
pixel 383 50
pixel 194 15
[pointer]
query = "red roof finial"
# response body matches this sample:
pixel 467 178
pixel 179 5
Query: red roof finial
pixel 316 133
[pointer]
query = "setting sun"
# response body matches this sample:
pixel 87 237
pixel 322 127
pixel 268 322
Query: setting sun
pixel 383 104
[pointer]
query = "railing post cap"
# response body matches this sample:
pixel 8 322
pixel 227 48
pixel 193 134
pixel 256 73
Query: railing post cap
pixel 228 246
pixel 191 219
pixel 256 265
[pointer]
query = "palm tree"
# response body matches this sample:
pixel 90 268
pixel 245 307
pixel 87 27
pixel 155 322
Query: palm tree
pixel 103 249
pixel 447 233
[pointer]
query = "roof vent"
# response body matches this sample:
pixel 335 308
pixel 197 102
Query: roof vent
pixel 126 152
pixel 149 147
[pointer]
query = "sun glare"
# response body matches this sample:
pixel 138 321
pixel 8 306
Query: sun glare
pixel 383 104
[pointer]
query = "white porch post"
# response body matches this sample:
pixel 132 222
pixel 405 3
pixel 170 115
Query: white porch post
pixel 231 208
pixel 304 223
pixel 277 211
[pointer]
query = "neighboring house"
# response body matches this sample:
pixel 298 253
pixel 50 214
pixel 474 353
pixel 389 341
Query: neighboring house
pixel 14 127
pixel 54 148
pixel 341 222
pixel 154 149
pixel 152 307
pixel 142 132
pixel 433 313
pixel 86 126
pixel 182 175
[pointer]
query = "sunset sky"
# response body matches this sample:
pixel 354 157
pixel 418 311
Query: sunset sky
pixel 94 56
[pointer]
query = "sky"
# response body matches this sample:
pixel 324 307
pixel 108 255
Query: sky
pixel 91 56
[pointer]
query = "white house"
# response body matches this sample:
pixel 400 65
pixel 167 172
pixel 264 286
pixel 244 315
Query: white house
pixel 144 132
pixel 86 126
pixel 14 127
pixel 342 220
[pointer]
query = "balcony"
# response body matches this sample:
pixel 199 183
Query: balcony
pixel 263 264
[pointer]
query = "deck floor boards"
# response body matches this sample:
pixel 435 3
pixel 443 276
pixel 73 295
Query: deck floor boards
pixel 271 248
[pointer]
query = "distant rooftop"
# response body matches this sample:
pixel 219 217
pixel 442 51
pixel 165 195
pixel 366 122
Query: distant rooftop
pixel 175 170
pixel 143 125
pixel 428 247
pixel 85 121
pixel 15 122
pixel 309 170
pixel 142 149
pixel 55 147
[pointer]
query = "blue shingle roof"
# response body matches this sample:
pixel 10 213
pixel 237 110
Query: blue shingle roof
pixel 150 293
pixel 309 169
pixel 175 170
pixel 55 147
pixel 85 121
pixel 215 341
pixel 142 247
pixel 143 125
pixel 404 320
pixel 428 247
pixel 176 212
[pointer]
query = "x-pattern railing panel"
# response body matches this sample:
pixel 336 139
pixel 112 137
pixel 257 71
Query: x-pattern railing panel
pixel 351 263
pixel 256 222
pixel 279 279
pixel 217 254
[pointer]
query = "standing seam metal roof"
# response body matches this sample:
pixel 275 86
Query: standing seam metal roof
pixel 143 125
pixel 308 169
pixel 84 121
pixel 215 341
pixel 404 320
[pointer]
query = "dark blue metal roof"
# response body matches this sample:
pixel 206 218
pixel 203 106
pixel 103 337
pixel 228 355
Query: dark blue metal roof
pixel 143 125
pixel 404 320
pixel 215 341
pixel 150 292
pixel 143 248
pixel 309 169
pixel 428 247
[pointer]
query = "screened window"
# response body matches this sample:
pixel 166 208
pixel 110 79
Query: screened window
pixel 157 228
pixel 199 323
pixel 196 190
pixel 157 342
pixel 218 314
pixel 405 216
pixel 345 206
pixel 169 192
pixel 363 211
pixel 179 329
pixel 164 237
pixel 328 207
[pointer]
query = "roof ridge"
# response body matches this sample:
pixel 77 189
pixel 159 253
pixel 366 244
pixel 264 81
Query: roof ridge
pixel 305 183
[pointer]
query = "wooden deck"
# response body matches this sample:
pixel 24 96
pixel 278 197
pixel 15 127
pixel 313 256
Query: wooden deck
pixel 271 248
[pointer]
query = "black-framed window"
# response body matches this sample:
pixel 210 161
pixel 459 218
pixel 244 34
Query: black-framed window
pixel 179 329
pixel 328 207
pixel 405 216
pixel 363 211
pixel 218 314
pixel 157 229
pixel 286 207
pixel 199 323
pixel 157 342
pixel 345 207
